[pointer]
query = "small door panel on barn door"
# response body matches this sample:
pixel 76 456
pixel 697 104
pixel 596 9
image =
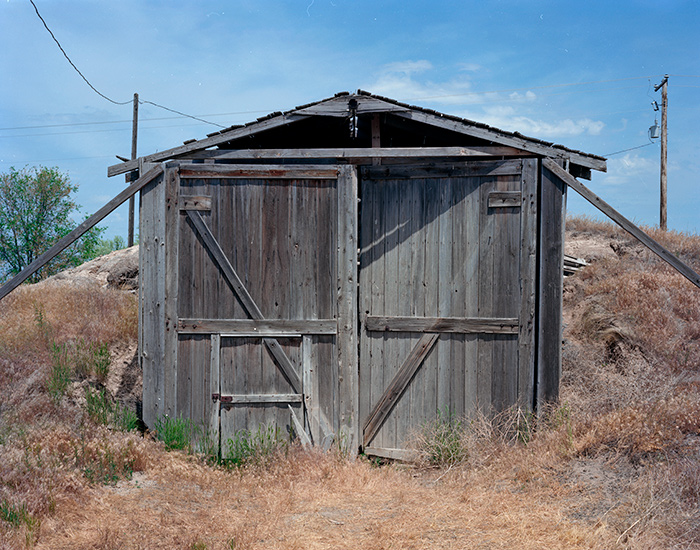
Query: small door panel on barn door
pixel 256 282
pixel 440 294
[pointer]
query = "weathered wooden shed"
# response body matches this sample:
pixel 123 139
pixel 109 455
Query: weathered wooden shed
pixel 348 269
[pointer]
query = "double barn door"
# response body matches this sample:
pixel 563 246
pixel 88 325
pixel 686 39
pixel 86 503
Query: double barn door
pixel 279 322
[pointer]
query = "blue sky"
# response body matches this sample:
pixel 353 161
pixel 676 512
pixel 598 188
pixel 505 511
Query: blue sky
pixel 579 74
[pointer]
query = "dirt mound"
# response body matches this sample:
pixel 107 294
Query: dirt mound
pixel 119 269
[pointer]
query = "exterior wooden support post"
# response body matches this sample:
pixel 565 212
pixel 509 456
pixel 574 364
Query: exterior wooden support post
pixel 623 222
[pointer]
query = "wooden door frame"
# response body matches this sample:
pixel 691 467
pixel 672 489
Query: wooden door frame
pixel 523 326
pixel 344 326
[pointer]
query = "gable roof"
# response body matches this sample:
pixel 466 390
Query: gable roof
pixel 364 103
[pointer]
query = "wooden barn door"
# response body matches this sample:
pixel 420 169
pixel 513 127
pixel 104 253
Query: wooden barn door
pixel 447 283
pixel 258 311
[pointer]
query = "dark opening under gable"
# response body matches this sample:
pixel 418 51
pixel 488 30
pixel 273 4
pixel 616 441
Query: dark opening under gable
pixel 363 120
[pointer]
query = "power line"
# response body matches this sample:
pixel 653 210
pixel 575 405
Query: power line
pixel 532 88
pixel 183 114
pixel 100 93
pixel 94 131
pixel 73 64
pixel 40 126
pixel 630 149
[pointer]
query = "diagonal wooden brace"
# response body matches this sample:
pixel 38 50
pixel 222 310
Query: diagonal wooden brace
pixel 213 247
pixel 397 386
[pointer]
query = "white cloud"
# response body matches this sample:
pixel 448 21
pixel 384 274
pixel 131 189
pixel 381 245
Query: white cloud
pixel 399 80
pixel 515 111
pixel 469 67
pixel 507 117
pixel 629 168
pixel 409 67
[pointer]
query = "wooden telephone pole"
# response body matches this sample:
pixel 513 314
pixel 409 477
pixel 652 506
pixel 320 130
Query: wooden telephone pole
pixel 134 134
pixel 664 153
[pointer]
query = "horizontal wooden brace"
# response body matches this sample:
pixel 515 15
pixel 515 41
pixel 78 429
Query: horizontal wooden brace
pixel 360 153
pixel 511 167
pixel 258 398
pixel 195 202
pixel 404 455
pixel 459 325
pixel 258 327
pixel 258 171
pixel 505 199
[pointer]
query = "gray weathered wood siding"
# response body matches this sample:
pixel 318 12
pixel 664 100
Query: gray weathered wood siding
pixel 255 307
pixel 248 307
pixel 280 237
pixel 445 244
pixel 152 332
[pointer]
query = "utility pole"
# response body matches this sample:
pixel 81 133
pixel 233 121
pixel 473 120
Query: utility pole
pixel 664 153
pixel 134 134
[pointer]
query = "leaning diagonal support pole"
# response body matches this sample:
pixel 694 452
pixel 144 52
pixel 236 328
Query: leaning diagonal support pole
pixel 79 231
pixel 623 222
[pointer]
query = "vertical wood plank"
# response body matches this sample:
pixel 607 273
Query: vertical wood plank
pixel 367 280
pixel 418 284
pixel 459 286
pixel 550 285
pixel 528 278
pixel 404 289
pixel 506 301
pixel 214 387
pixel 431 206
pixel 347 303
pixel 444 289
pixel 473 282
pixel 151 298
pixel 170 308
pixel 387 434
pixel 486 290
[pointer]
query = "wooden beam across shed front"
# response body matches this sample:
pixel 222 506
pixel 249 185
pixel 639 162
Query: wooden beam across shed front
pixel 361 153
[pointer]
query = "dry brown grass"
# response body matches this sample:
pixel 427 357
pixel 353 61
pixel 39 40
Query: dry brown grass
pixel 614 465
